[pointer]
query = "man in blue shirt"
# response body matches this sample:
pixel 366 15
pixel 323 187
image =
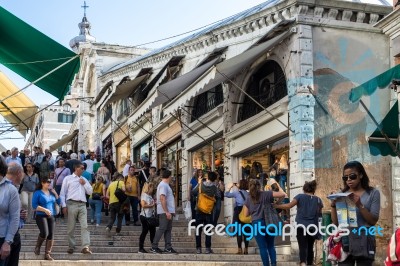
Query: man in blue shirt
pixel 10 206
pixel 14 157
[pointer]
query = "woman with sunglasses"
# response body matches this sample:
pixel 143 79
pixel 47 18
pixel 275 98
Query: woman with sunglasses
pixel 29 183
pixel 367 202
pixel 43 202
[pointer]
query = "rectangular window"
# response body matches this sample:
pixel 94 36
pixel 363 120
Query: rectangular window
pixel 66 118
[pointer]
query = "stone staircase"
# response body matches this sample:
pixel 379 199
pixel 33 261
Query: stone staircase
pixel 120 249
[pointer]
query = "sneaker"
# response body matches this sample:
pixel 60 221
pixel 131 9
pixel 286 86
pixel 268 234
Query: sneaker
pixel 91 221
pixel 108 230
pixel 156 250
pixel 170 251
pixel 70 250
pixel 142 250
pixel 97 225
pixel 209 251
pixel 86 251
pixel 198 251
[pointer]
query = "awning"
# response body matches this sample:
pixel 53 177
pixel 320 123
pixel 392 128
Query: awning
pixel 171 89
pixel 390 126
pixel 18 110
pixel 32 55
pixel 229 68
pixel 64 140
pixel 125 89
pixel 381 81
pixel 164 73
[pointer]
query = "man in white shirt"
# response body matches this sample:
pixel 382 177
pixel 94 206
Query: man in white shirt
pixel 128 164
pixel 73 201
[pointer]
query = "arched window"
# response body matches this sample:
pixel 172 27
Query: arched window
pixel 207 101
pixel 266 86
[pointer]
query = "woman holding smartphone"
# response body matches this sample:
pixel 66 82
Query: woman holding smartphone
pixel 43 202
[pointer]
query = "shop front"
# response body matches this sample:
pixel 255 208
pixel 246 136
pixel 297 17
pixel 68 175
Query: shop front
pixel 169 156
pixel 209 157
pixel 142 153
pixel 268 160
pixel 123 147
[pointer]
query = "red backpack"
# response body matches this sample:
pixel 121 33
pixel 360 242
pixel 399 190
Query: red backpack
pixel 393 251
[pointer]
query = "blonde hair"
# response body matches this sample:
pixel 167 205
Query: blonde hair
pixel 147 186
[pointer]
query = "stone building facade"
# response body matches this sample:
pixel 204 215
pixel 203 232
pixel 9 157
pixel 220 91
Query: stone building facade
pixel 298 59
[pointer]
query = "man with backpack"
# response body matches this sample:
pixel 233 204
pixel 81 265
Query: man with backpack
pixel 115 193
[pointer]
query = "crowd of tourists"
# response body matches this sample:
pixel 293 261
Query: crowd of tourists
pixel 35 187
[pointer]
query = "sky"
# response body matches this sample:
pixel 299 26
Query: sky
pixel 131 23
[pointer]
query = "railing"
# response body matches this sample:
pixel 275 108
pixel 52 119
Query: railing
pixel 206 102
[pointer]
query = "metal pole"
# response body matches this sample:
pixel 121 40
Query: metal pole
pixel 254 100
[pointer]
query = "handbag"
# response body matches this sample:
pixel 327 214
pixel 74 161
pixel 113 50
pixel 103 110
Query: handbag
pixel 96 196
pixel 361 245
pixel 205 203
pixel 243 218
pixel 153 220
pixel 120 194
pixel 271 215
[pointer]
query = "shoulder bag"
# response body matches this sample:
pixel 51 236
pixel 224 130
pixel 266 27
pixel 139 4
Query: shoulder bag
pixel 205 203
pixel 120 194
pixel 271 215
pixel 153 220
pixel 244 219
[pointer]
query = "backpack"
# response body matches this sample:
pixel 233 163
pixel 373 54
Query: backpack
pixel 120 194
pixel 393 250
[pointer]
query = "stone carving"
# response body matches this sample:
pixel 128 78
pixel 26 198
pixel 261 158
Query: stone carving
pixel 360 17
pixel 332 14
pixel 347 15
pixel 318 12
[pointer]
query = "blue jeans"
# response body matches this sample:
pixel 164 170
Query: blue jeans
pixel 134 201
pixel 266 245
pixel 95 206
pixel 282 182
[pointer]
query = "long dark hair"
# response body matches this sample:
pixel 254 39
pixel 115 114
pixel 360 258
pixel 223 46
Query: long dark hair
pixel 254 188
pixel 360 169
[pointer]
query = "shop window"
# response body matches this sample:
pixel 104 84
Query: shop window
pixel 107 146
pixel 142 153
pixel 261 163
pixel 123 154
pixel 266 86
pixel 207 101
pixel 66 118
pixel 210 157
pixel 170 158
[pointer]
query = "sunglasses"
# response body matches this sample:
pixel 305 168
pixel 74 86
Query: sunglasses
pixel 351 176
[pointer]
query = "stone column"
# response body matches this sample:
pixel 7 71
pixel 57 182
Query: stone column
pixel 301 118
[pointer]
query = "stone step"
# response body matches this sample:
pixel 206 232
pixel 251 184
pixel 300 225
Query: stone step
pixel 143 263
pixel 188 248
pixel 123 257
pixel 139 262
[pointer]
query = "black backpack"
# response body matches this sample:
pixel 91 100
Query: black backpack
pixel 120 194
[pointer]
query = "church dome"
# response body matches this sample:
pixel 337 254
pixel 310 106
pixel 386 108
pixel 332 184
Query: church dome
pixel 84 34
